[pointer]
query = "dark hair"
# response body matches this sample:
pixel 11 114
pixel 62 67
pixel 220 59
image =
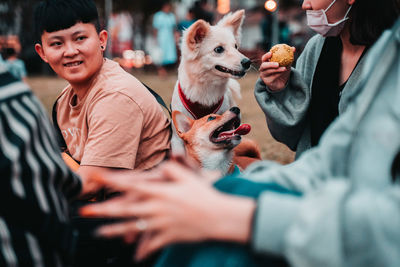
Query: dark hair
pixel 55 15
pixel 165 3
pixel 369 18
pixel 9 52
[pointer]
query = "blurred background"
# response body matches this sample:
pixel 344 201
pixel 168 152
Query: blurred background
pixel 133 43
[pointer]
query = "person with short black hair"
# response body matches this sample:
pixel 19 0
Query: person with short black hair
pixel 300 103
pixel 55 15
pixel 107 118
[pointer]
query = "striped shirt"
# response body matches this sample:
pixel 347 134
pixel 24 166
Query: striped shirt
pixel 32 170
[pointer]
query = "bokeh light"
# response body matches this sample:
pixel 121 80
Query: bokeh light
pixel 270 5
pixel 224 6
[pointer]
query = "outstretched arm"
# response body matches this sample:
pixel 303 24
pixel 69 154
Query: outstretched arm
pixel 182 207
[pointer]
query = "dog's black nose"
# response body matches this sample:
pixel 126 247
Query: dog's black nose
pixel 246 63
pixel 235 110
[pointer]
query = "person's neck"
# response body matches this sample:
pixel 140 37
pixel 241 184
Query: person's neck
pixel 81 89
pixel 348 47
pixel 350 56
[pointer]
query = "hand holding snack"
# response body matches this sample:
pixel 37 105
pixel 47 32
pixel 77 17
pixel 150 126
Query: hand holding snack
pixel 282 54
pixel 275 67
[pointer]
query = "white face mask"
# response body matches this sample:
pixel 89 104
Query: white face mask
pixel 317 21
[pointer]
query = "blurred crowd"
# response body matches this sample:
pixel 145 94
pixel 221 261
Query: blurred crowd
pixel 158 44
pixel 10 48
pixel 161 47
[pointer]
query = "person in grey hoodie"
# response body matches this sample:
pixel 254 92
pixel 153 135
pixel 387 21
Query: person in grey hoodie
pixel 337 205
pixel 300 103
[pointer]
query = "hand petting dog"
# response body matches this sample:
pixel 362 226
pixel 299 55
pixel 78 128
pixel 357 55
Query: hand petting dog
pixel 171 204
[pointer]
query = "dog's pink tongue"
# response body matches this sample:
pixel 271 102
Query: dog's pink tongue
pixel 243 129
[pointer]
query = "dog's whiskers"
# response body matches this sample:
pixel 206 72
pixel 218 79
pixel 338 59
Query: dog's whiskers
pixel 252 66
pixel 253 60
pixel 255 63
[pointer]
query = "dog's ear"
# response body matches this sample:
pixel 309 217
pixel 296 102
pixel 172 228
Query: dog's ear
pixel 196 33
pixel 181 122
pixel 235 22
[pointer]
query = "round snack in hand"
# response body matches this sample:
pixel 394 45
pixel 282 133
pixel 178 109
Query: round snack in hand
pixel 283 54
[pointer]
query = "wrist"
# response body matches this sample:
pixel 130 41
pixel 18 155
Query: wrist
pixel 233 219
pixel 277 89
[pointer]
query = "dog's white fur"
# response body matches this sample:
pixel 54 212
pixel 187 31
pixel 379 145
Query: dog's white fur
pixel 200 81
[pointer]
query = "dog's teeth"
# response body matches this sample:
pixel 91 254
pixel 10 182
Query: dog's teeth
pixel 232 72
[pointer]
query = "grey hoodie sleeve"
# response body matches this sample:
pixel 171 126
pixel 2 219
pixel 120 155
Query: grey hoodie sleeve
pixel 286 110
pixel 349 213
pixel 337 225
pixel 346 225
pixel 276 213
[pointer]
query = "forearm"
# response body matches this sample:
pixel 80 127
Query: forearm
pixel 276 206
pixel 285 110
pixel 69 161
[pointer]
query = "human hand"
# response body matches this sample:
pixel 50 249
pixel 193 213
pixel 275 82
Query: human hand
pixel 181 207
pixel 89 178
pixel 92 179
pixel 272 75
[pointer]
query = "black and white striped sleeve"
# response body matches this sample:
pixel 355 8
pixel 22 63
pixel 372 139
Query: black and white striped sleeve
pixel 32 170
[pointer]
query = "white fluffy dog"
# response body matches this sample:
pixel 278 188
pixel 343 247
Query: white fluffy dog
pixel 210 59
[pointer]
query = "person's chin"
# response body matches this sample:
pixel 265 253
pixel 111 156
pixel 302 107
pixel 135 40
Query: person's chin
pixel 76 78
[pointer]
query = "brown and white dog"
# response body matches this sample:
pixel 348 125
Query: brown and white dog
pixel 209 65
pixel 214 141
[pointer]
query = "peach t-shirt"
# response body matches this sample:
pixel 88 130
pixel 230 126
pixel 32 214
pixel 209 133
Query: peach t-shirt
pixel 117 124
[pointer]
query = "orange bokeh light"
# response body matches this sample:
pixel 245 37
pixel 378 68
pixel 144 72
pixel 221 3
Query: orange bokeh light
pixel 270 5
pixel 224 6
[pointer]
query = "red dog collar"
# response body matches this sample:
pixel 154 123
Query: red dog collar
pixel 196 109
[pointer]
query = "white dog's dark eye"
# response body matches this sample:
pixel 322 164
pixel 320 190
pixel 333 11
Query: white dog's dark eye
pixel 236 46
pixel 219 50
pixel 211 118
